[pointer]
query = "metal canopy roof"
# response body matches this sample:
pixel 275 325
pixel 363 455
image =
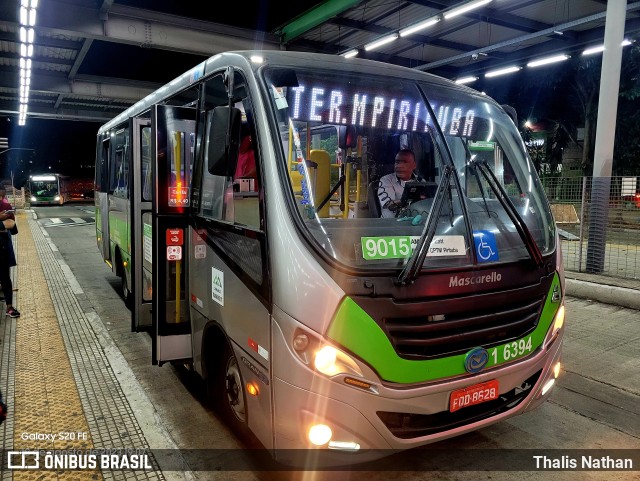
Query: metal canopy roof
pixel 93 59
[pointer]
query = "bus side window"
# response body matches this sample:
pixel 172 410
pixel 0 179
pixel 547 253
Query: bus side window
pixel 119 175
pixel 232 198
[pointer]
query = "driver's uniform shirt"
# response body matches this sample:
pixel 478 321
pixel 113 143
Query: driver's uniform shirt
pixel 390 188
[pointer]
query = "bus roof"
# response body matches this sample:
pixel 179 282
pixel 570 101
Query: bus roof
pixel 255 58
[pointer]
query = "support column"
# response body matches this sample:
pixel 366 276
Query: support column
pixel 605 133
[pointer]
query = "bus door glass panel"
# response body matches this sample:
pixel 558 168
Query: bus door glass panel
pixel 118 204
pixel 141 224
pixel 103 197
pixel 147 222
pixel 174 139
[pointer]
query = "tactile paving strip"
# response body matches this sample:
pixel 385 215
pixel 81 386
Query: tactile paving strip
pixel 63 380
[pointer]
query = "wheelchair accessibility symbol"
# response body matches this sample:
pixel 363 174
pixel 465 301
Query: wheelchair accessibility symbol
pixel 486 247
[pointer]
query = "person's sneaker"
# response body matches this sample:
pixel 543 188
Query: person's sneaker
pixel 13 312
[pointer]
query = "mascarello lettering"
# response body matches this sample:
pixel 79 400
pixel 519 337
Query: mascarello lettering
pixel 461 281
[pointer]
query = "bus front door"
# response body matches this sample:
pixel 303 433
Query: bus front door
pixel 173 150
pixel 140 199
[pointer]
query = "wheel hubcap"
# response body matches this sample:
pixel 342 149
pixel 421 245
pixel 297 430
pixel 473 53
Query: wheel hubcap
pixel 235 396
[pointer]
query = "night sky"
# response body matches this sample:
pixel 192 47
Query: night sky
pixel 60 146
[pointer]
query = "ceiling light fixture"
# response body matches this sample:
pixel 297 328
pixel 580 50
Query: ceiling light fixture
pixel 381 41
pixel 600 48
pixel 27 36
pixel 419 26
pixel 502 71
pixel 548 60
pixel 465 8
pixel 466 80
pixel 351 53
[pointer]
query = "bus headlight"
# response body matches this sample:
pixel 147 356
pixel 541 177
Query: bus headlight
pixel 330 361
pixel 56 198
pixel 33 198
pixel 559 320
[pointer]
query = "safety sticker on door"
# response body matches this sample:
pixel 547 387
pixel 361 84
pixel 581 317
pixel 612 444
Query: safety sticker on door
pixel 217 286
pixel 174 253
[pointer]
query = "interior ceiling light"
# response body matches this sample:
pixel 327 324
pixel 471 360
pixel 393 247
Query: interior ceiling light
pixel 419 26
pixel 465 8
pixel 381 41
pixel 502 71
pixel 466 80
pixel 351 53
pixel 600 48
pixel 548 60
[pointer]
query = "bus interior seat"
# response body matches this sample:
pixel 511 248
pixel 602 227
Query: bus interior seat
pixel 373 202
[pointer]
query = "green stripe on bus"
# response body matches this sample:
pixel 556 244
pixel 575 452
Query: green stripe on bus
pixel 355 330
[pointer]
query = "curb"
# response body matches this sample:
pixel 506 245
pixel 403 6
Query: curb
pixel 619 296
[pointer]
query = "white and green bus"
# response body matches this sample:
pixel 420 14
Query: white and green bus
pixel 316 323
pixel 48 189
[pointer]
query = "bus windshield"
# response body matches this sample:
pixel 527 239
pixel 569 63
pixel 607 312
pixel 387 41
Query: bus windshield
pixel 367 160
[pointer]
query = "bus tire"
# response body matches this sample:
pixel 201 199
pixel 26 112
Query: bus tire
pixel 230 397
pixel 127 295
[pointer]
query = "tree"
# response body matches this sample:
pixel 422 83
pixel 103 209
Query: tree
pixel 567 95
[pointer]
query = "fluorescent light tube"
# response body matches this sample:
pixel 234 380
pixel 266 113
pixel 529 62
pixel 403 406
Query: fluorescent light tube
pixel 351 53
pixel 466 80
pixel 502 71
pixel 548 60
pixel 465 8
pixel 419 26
pixel 381 41
pixel 600 48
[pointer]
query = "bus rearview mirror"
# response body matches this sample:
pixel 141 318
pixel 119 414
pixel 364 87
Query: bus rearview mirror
pixel 223 139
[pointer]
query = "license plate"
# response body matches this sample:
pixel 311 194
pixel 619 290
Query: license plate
pixel 472 395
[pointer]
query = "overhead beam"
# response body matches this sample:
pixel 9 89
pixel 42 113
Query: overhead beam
pixel 86 86
pixel 145 28
pixel 44 112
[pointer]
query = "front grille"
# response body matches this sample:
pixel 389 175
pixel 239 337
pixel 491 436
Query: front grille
pixel 408 425
pixel 454 326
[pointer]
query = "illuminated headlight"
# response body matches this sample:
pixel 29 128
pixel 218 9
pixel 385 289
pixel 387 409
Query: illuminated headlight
pixel 57 197
pixel 558 322
pixel 323 357
pixel 33 198
pixel 330 361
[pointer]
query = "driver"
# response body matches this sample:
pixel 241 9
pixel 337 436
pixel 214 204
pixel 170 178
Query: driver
pixel 392 185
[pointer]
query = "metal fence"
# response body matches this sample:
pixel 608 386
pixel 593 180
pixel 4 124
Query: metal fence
pixel 616 226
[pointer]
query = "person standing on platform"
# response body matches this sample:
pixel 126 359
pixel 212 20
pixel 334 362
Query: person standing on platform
pixel 7 255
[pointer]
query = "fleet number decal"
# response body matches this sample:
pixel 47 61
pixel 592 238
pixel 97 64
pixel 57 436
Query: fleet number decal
pixel 512 350
pixel 399 247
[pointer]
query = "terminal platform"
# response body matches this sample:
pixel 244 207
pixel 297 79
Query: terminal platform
pixel 62 392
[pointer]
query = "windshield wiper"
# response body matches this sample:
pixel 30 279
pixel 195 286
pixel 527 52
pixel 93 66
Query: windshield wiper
pixel 512 212
pixel 411 268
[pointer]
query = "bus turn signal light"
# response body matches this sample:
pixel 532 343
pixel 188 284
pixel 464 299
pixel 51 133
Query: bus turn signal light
pixel 252 389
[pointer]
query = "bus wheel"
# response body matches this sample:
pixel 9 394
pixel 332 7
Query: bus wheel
pixel 231 395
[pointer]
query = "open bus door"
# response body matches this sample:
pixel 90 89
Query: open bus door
pixel 141 225
pixel 173 149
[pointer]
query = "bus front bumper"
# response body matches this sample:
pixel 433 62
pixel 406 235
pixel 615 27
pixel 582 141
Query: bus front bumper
pixel 394 417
